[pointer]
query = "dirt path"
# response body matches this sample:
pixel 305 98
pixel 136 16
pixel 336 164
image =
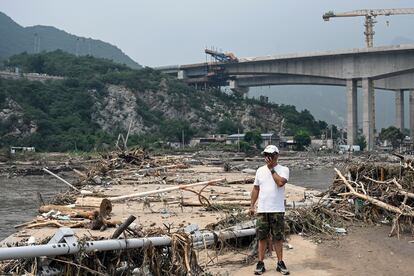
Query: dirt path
pixel 364 251
pixel 369 251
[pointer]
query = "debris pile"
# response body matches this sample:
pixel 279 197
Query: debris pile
pixel 370 193
pixel 121 167
pixel 177 259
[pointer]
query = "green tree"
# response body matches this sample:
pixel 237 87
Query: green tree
pixel 393 135
pixel 302 139
pixel 228 126
pixel 361 142
pixel 253 138
pixel 173 130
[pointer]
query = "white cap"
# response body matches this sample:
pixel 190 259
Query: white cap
pixel 270 149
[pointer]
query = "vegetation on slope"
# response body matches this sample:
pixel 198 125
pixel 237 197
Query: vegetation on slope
pixel 62 111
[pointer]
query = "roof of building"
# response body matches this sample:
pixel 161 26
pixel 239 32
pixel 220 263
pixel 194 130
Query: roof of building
pixel 235 136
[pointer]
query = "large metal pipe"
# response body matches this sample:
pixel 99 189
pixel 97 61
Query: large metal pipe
pixel 113 244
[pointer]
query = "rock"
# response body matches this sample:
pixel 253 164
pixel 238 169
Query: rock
pixel 249 171
pixel 97 179
pixel 31 241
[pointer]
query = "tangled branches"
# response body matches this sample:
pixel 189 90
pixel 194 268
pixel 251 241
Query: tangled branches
pixel 177 259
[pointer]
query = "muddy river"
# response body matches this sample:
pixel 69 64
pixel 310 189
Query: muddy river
pixel 19 199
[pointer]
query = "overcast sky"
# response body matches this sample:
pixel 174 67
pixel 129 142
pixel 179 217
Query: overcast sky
pixel 166 32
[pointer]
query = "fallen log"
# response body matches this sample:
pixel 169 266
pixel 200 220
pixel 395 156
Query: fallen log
pixel 88 202
pixel 78 213
pixel 123 227
pixel 180 187
pixel 73 224
pixel 248 180
pixel 28 223
pixel 46 223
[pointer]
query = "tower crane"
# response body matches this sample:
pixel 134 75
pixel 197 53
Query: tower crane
pixel 369 19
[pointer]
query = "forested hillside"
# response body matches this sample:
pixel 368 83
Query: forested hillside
pixel 98 99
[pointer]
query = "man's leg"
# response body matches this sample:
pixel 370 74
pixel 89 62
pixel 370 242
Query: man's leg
pixel 278 245
pixel 278 235
pixel 262 249
pixel 262 230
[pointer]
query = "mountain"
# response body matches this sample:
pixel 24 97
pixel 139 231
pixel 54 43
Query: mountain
pixel 98 99
pixel 16 39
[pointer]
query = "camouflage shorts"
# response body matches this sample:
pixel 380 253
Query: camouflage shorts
pixel 270 223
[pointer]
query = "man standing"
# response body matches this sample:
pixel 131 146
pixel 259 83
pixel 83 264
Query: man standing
pixel 269 191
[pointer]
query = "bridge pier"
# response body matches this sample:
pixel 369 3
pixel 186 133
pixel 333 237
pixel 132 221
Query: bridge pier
pixel 181 75
pixel 240 90
pixel 412 115
pixel 399 109
pixel 352 108
pixel 368 124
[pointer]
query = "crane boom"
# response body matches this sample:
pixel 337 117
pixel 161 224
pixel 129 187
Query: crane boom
pixel 221 56
pixel 376 12
pixel 369 15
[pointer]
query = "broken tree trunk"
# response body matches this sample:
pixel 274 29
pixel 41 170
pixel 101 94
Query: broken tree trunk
pixel 123 227
pixel 67 211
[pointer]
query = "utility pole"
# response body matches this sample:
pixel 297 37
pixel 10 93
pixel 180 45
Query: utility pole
pixel 238 139
pixel 182 134
pixel 36 44
pixel 77 47
pixel 89 47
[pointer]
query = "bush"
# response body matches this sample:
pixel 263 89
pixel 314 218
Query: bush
pixel 302 139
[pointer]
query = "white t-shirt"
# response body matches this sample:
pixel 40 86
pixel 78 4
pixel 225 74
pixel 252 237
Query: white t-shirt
pixel 271 197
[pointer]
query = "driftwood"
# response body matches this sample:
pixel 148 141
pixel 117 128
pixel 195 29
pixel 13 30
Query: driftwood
pixel 88 202
pixel 241 181
pixel 61 179
pixel 123 227
pixel 74 224
pixel 28 223
pixel 372 200
pixel 180 187
pixel 78 213
pixel 387 195
pixel 217 202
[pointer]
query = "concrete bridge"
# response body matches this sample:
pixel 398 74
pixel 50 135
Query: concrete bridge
pixel 389 68
pixel 28 76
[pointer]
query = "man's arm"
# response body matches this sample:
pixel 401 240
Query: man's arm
pixel 280 181
pixel 255 195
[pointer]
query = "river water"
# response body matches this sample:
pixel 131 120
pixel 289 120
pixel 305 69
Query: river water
pixel 19 200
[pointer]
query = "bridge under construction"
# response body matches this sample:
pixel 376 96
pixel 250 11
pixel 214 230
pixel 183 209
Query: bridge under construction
pixel 388 68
